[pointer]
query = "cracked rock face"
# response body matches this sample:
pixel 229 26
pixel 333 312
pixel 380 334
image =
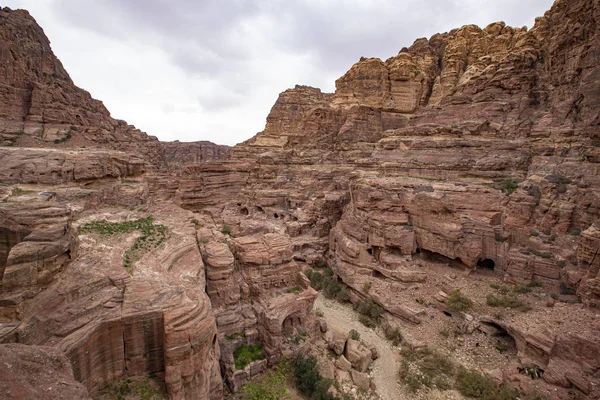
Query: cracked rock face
pixel 476 149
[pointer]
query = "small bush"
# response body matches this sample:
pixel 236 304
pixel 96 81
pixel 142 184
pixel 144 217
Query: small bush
pixel 369 312
pixel 295 289
pixel 226 229
pixel 458 302
pixel 521 289
pixel 392 334
pixel 536 283
pixel 507 301
pixel 343 295
pixel 535 233
pixel 574 231
pixel 508 186
pixel 319 313
pixel 562 263
pixel 354 335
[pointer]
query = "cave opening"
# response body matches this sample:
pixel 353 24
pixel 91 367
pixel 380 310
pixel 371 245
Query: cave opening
pixel 486 263
pixel 502 340
pixel 244 211
pixel 377 274
pixel 259 209
pixel 275 215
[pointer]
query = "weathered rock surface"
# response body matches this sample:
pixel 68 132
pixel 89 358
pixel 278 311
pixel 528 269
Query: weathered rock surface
pixel 476 148
pixel 34 372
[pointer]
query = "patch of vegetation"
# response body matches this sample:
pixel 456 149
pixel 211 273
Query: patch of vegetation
pixel 326 281
pixel 234 336
pixel 197 224
pixel 354 335
pixel 125 388
pixel 129 181
pixel 574 231
pixel 535 233
pixel 369 312
pixel 319 313
pixel 309 381
pixel 295 289
pixel 458 302
pixel 392 334
pixel 521 289
pixel 63 139
pixel 508 186
pixel 244 355
pixel 151 236
pixel 537 283
pixel 17 191
pixel 541 254
pixel 226 229
pixel 507 301
pixel 270 386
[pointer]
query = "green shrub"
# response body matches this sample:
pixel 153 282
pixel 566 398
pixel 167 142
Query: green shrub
pixel 521 289
pixel 343 296
pixel 309 381
pixel 536 284
pixel 244 355
pixel 295 289
pixel 392 334
pixel 369 312
pixel 473 384
pixel 508 186
pixel 458 302
pixel 270 386
pixel 354 335
pixel 507 301
pixel 226 229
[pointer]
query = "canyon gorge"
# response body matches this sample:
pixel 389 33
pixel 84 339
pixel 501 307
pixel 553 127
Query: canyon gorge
pixel 466 165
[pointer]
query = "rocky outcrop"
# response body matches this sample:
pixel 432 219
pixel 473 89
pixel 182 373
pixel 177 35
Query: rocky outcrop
pixel 177 154
pixel 33 372
pixel 476 149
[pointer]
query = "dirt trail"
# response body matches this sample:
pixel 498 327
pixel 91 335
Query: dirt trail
pixel 385 368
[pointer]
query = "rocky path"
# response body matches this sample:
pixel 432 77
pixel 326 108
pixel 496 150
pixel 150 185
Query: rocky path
pixel 385 368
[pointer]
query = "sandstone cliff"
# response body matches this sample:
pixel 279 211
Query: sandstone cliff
pixel 467 159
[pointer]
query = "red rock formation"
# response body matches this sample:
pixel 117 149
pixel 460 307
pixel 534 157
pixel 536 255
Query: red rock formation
pixel 476 147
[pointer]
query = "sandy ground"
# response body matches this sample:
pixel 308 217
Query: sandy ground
pixel 385 368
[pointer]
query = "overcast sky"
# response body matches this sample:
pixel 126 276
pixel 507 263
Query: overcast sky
pixel 211 70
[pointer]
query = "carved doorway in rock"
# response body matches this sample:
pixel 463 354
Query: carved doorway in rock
pixel 291 324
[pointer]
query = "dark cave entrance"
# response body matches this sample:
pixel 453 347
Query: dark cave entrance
pixel 486 263
pixel 244 211
pixel 502 340
pixel 377 274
